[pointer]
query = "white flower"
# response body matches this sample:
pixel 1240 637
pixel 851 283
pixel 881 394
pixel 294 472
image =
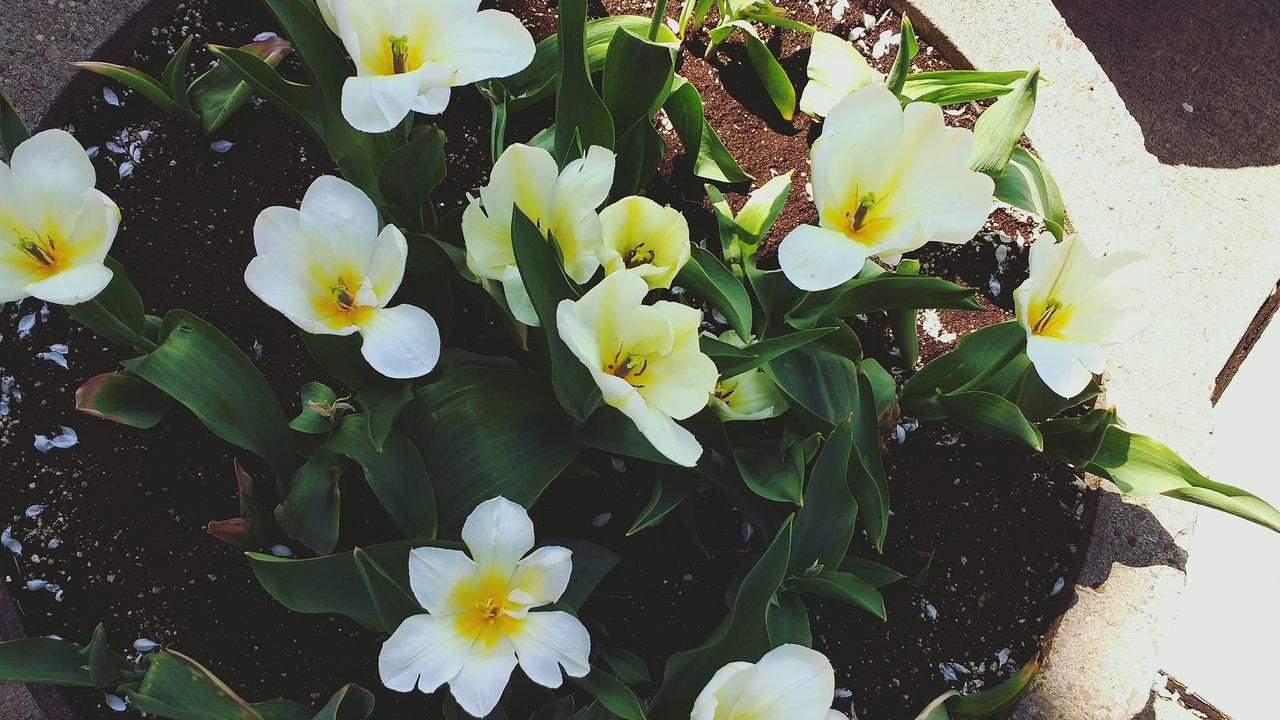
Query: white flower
pixel 886 180
pixel 645 358
pixel 55 228
pixel 562 203
pixel 1072 305
pixel 478 624
pixel 790 681
pixel 409 53
pixel 645 238
pixel 329 270
pixel 751 395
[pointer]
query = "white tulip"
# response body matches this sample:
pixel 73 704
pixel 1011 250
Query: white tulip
pixel 1071 306
pixel 886 180
pixel 410 53
pixel 562 203
pixel 478 623
pixel 645 238
pixel 790 681
pixel 645 359
pixel 55 228
pixel 328 269
pixel 751 395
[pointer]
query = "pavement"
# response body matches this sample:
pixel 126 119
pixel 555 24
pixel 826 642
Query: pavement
pixel 1158 120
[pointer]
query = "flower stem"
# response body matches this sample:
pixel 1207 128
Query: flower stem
pixel 659 13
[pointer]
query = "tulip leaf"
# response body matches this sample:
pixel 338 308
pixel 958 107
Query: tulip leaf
pixel 395 472
pixel 484 432
pixel 887 291
pixel 612 693
pixel 1139 466
pixel 310 510
pixel 1077 439
pixel 759 353
pixel 824 527
pixel 835 70
pixel 175 686
pixel 382 401
pixel 762 208
pixel 669 490
pixel 582 120
pixel 867 479
pixel 123 399
pixel 144 84
pixel 350 702
pixel 410 174
pixel 903 321
pixel 324 60
pixel 845 587
pixel 990 415
pixel 315 395
pixel 742 636
pixel 391 599
pixel 219 93
pixel 818 382
pixel 13 131
pixel 201 368
pixel 116 313
pixel 174 77
pixel 639 151
pixel 767 474
pixel 954 87
pixel 907 49
pixel 609 430
pixel 711 159
pixel 1025 183
pixel 44 661
pixel 996 700
pixel 976 355
pixel 999 128
pixel 340 358
pixel 776 83
pixel 591 563
pixel 544 278
pixel 711 281
pixel 626 666
pixel 871 572
pixel 302 103
pixel 637 77
pixel 788 621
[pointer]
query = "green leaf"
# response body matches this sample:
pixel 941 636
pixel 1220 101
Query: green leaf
pixel 105 669
pixel 669 490
pixel 989 703
pixel 123 399
pixel 626 666
pixel 973 357
pixel 953 87
pixel 609 430
pixel 396 474
pixel 591 563
pixel 999 128
pixel 582 120
pixel 391 599
pixel 903 322
pixel 709 280
pixel 612 693
pixel 767 473
pixel 174 78
pixel 382 401
pixel 759 353
pixel 315 395
pixel 500 430
pixel 990 415
pixel 351 702
pixel 199 367
pixel 180 688
pixel 219 93
pixel 301 103
pixel 44 661
pixel 788 621
pixel 887 291
pixel 116 313
pixel 742 636
pixel 13 131
pixel 637 77
pixel 711 159
pixel 846 588
pixel 411 173
pixel 323 58
pixel 1077 439
pixel 1025 183
pixel 871 572
pixel 639 151
pixel 820 383
pixel 883 387
pixel 495 93
pixel 824 526
pixel 333 584
pixel 310 511
pixel 776 83
pixel 835 70
pixel 762 208
pixel 1139 466
pixel 144 84
pixel 544 278
pixel 907 49
pixel 340 358
pixel 867 479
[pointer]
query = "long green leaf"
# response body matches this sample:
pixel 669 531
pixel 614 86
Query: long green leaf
pixel 381 402
pixel 612 694
pixel 174 78
pixel 907 49
pixel 219 93
pixel 116 314
pixel 180 688
pixel 44 661
pixel 13 131
pixel 977 354
pixel 310 511
pixel 392 600
pixel 711 159
pixel 952 87
pixel 396 473
pixel 888 291
pixel 201 368
pixel 1025 183
pixel 818 382
pixel 990 415
pixel 411 173
pixel 711 281
pixel 669 490
pixel 846 588
pixel 758 353
pixel 867 479
pixel 768 474
pixel 144 84
pixel 123 399
pixel 323 58
pixel 637 77
pixel 776 83
pixel 999 128
pixel 350 702
pixel 825 525
pixel 302 103
pixel 582 120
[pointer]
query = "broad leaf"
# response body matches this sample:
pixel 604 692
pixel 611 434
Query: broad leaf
pixel 13 131
pixel 887 291
pixel 396 474
pixel 301 103
pixel 218 94
pixel 174 78
pixel 976 355
pixel 382 401
pixel 582 120
pixel 669 490
pixel 411 173
pixel 144 84
pixel 391 599
pixel 824 527
pixel 711 159
pixel 1077 439
pixel 310 510
pixel 115 314
pixel 818 382
pixel 124 399
pixel 612 694
pixel 637 77
pixel 871 572
pixel 350 702
pixel 178 687
pixel 759 353
pixel 316 398
pixel 835 70
pixel 953 87
pixel 768 474
pixel 845 587
pixel 990 415
pixel 1025 183
pixel 776 83
pixel 709 280
pixel 44 661
pixel 626 666
pixel 998 129
pixel 867 480
pixel 788 621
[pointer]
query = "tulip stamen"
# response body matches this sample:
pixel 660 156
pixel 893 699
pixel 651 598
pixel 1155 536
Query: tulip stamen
pixel 630 368
pixel 1051 309
pixel 637 256
pixel 724 392
pixel 858 217
pixel 46 256
pixel 399 53
pixel 490 609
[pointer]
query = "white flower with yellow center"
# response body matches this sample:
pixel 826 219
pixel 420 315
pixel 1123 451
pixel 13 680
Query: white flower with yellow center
pixel 478 623
pixel 645 238
pixel 561 203
pixel 410 53
pixel 886 180
pixel 1071 306
pixel 55 228
pixel 645 358
pixel 790 681
pixel 328 269
pixel 751 395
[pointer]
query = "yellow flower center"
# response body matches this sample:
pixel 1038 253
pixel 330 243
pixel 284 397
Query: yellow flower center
pixel 863 222
pixel 637 256
pixel 629 368
pixel 487 620
pixel 399 54
pixel 338 308
pixel 724 390
pixel 43 254
pixel 1052 318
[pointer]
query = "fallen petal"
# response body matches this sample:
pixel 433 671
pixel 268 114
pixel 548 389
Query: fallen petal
pixel 110 96
pixel 34 510
pixel 221 146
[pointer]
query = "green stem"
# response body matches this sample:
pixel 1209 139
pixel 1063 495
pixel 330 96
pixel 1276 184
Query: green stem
pixel 659 13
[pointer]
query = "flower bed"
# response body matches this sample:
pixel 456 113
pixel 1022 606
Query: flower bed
pixel 987 529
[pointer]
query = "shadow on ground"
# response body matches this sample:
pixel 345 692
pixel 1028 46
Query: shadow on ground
pixel 1217 58
pixel 1136 539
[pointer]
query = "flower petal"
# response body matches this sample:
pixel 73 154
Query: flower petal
pixel 342 214
pixel 424 651
pixel 541 578
pixel 278 230
pixel 667 437
pixel 524 176
pixel 801 684
pixel 401 341
pixel 815 258
pixel 580 189
pixel 640 226
pixel 723 690
pixel 435 573
pixel 488 44
pixel 518 299
pixel 498 533
pixel 1061 364
pixel 854 153
pixel 386 263
pixel 546 641
pixel 52 173
pixel 484 676
pixel 72 286
pixel 378 103
pixel 280 280
pixel 488 242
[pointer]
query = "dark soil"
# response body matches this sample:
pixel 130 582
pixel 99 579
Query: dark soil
pixel 122 533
